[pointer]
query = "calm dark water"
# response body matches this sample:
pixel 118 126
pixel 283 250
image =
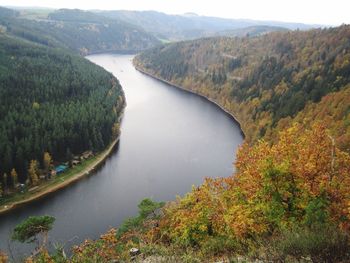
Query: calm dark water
pixel 170 140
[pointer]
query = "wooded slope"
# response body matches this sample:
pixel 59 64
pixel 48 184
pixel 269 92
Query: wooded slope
pixel 52 101
pixel 78 30
pixel 262 80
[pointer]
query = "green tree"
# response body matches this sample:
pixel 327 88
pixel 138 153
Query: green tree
pixel 148 207
pixel 30 229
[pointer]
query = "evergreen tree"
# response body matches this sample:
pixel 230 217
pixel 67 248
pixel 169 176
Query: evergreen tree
pixel 69 109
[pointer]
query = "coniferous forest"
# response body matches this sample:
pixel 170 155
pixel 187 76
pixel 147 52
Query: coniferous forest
pixel 52 101
pixel 80 31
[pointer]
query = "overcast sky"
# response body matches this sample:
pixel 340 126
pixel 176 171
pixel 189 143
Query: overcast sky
pixel 329 12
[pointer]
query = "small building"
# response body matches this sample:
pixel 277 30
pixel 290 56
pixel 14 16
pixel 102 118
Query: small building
pixel 87 154
pixel 60 169
pixel 75 162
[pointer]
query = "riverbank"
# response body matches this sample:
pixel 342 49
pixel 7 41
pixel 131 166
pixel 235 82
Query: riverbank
pixel 61 181
pixel 193 92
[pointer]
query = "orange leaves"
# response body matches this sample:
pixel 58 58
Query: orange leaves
pixel 101 250
pixel 3 257
pixel 302 178
pixel 306 167
pixel 198 215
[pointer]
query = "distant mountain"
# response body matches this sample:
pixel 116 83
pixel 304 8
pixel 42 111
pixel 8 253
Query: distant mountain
pixel 190 26
pixel 78 30
pixel 251 31
pixel 8 13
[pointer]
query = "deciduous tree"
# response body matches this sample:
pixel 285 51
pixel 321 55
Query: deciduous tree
pixel 33 172
pixel 47 160
pixel 14 177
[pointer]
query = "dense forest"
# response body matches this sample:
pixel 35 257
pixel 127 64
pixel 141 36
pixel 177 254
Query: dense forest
pixel 78 30
pixel 52 101
pixel 265 81
pixel 288 200
pixel 251 31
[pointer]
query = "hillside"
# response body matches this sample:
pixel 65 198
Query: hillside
pixel 285 203
pixel 251 31
pixel 190 26
pixel 55 102
pixel 288 200
pixel 264 81
pixel 81 31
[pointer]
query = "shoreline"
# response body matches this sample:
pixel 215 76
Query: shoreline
pixel 100 158
pixel 192 92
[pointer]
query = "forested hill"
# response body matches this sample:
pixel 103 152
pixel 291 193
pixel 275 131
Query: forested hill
pixel 78 30
pixel 51 101
pixel 251 31
pixel 288 199
pixel 191 26
pixel 266 81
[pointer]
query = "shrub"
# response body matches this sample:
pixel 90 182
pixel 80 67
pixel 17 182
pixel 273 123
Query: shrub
pixel 322 243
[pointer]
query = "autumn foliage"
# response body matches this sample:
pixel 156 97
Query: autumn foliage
pixel 102 250
pixel 263 80
pixel 302 180
pixel 3 257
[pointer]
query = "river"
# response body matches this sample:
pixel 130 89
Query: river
pixel 170 140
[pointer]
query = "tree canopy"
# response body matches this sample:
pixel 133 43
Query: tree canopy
pixel 31 227
pixel 52 101
pixel 264 81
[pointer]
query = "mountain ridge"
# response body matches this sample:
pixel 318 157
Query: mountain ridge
pixel 87 33
pixel 181 27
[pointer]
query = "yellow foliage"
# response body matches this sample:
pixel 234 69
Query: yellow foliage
pixel 273 186
pixel 3 257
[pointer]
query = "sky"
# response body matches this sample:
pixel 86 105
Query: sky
pixel 325 12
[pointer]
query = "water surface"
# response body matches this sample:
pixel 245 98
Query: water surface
pixel 170 140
